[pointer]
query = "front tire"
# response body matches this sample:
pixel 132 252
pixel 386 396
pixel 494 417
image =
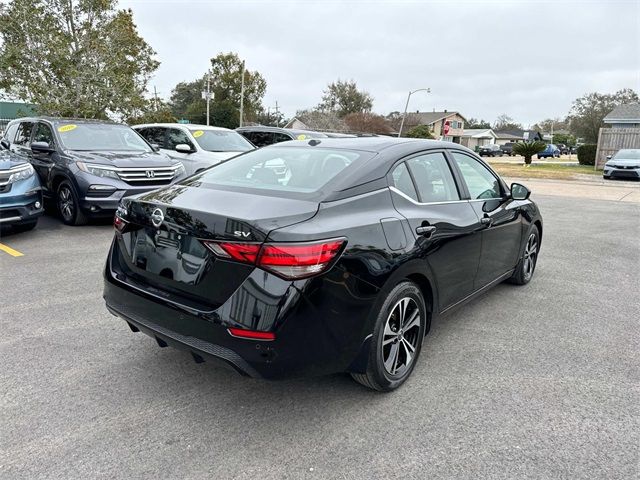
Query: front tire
pixel 397 339
pixel 527 264
pixel 68 205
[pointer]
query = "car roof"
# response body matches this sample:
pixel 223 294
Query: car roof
pixel 265 128
pixel 190 126
pixel 56 120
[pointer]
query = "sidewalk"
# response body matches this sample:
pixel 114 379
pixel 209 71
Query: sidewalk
pixel 596 189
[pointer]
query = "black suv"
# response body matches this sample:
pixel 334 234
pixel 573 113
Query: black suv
pixel 262 136
pixel 87 166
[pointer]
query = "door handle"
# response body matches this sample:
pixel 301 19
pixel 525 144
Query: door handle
pixel 426 230
pixel 488 221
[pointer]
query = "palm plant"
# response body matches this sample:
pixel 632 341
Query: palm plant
pixel 528 149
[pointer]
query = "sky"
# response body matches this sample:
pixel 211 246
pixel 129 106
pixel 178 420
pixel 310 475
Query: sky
pixel 528 59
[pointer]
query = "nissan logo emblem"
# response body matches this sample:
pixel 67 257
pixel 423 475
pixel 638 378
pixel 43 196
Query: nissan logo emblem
pixel 150 173
pixel 157 217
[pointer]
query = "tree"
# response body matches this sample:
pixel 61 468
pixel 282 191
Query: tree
pixel 475 123
pixel 367 122
pixel 505 122
pixel 226 85
pixel 345 98
pixel 564 138
pixel 550 124
pixel 587 112
pixel 528 149
pixel 153 112
pixel 421 131
pixel 81 58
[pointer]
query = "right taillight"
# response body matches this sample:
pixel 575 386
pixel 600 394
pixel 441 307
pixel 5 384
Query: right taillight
pixel 288 260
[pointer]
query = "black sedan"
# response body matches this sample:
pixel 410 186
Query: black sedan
pixel 490 150
pixel 340 264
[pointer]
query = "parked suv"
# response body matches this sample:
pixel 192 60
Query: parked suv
pixel 263 136
pixel 490 150
pixel 196 146
pixel 507 148
pixel 88 166
pixel 20 193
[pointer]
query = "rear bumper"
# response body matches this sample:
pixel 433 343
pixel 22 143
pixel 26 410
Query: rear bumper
pixel 320 324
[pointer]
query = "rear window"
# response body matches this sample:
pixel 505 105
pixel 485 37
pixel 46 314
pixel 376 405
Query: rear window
pixel 303 170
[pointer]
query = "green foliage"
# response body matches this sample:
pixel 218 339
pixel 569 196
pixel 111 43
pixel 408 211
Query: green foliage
pixel 550 124
pixel 420 131
pixel 226 84
pixel 587 154
pixel 80 58
pixel 587 112
pixel 528 149
pixel 475 123
pixel 154 112
pixel 565 138
pixel 345 98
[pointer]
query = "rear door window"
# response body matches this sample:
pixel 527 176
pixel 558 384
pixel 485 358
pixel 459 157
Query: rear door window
pixel 402 181
pixel 23 136
pixel 433 178
pixel 280 137
pixel 262 139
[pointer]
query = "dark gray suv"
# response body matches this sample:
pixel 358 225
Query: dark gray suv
pixel 87 166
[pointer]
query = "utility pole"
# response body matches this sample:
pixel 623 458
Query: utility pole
pixel 208 95
pixel 242 95
pixel 277 115
pixel 155 96
pixel 428 90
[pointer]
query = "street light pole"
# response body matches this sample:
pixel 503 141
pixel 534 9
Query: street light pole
pixel 208 95
pixel 242 95
pixel 404 115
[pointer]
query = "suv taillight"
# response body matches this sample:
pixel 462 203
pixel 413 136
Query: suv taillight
pixel 288 260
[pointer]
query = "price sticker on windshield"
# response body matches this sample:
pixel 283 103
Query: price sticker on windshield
pixel 198 133
pixel 67 128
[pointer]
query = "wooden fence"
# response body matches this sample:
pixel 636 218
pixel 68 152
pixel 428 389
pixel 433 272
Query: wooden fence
pixel 610 140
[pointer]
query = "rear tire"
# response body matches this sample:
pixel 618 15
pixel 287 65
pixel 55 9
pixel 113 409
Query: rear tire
pixel 527 264
pixel 397 339
pixel 68 205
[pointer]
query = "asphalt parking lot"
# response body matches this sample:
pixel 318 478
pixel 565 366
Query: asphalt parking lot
pixel 541 381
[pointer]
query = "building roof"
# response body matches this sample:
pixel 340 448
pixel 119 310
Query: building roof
pixel 629 113
pixel 479 133
pixel 427 118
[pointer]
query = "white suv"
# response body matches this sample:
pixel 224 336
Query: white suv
pixel 196 146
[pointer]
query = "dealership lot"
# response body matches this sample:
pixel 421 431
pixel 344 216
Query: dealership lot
pixel 535 381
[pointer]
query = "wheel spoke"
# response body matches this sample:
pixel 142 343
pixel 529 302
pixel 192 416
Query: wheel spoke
pixel 408 349
pixel 392 359
pixel 404 303
pixel 413 320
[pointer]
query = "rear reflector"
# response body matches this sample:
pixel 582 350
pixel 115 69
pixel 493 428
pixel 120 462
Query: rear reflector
pixel 251 334
pixel 289 260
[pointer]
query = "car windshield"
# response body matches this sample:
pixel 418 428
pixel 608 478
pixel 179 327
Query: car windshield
pixel 221 141
pixel 278 169
pixel 100 137
pixel 631 154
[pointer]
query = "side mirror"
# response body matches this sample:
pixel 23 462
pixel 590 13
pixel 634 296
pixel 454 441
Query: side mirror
pixel 5 143
pixel 608 157
pixel 519 192
pixel 41 147
pixel 184 148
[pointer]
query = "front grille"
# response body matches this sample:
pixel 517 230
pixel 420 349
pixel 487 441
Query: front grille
pixel 9 213
pixel 5 187
pixel 147 176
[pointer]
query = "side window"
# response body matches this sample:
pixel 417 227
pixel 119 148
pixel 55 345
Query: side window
pixel 402 181
pixel 43 133
pixel 262 139
pixel 280 137
pixel 433 178
pixel 482 184
pixel 153 135
pixel 10 134
pixel 176 137
pixel 23 136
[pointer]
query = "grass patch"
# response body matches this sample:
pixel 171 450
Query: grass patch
pixel 566 172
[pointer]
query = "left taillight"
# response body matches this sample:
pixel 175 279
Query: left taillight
pixel 119 223
pixel 291 261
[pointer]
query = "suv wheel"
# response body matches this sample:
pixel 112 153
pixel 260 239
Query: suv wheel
pixel 68 205
pixel 397 339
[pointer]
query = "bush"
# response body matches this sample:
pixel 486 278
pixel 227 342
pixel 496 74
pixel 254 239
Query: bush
pixel 587 154
pixel 421 131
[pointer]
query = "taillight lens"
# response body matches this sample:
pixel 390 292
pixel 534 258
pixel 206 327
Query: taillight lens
pixel 119 224
pixel 288 260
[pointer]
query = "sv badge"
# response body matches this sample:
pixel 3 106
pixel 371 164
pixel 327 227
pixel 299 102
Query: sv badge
pixel 241 234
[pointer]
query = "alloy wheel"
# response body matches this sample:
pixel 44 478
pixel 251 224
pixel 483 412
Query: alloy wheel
pixel 530 255
pixel 66 203
pixel 401 336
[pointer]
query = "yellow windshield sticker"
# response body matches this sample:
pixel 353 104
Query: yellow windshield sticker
pixel 198 133
pixel 67 128
pixel 302 136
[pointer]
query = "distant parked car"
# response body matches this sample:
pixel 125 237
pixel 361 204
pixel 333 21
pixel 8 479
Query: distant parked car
pixel 624 164
pixel 564 150
pixel 196 146
pixel 550 151
pixel 507 148
pixel 88 166
pixel 262 136
pixel 490 150
pixel 20 192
